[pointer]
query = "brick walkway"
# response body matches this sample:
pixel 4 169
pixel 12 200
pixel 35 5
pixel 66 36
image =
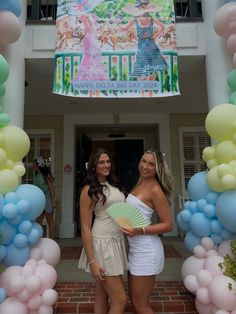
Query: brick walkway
pixel 167 297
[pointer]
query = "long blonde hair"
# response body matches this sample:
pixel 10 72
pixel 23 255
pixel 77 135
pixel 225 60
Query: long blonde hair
pixel 163 174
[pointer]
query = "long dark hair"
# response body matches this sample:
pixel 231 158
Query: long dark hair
pixel 45 170
pixel 95 187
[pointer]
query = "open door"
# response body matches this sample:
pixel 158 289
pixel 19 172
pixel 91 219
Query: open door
pixel 83 151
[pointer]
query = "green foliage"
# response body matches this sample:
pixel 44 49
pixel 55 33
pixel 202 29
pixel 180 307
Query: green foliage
pixel 230 264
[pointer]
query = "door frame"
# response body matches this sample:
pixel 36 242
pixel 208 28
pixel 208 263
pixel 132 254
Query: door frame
pixel 71 122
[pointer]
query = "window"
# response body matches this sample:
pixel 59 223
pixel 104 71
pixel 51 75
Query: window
pixel 41 144
pixel 192 143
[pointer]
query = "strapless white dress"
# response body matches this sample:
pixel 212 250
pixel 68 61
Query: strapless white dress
pixel 146 253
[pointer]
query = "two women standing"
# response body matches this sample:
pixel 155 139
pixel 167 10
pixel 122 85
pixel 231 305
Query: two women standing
pixel 104 253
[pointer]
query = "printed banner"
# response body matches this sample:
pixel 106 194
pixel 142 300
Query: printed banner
pixel 107 48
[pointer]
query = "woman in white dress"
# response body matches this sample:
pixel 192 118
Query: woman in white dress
pixel 151 195
pixel 104 252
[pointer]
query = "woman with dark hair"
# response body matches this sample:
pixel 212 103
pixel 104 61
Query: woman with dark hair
pixel 151 194
pixel 104 252
pixel 42 178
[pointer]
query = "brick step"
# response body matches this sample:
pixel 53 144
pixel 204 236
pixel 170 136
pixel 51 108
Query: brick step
pixel 167 297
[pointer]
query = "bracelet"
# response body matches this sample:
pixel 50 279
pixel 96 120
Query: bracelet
pixel 91 262
pixel 144 230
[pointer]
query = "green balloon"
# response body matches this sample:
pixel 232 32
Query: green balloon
pixel 2 90
pixel 4 119
pixel 4 70
pixel 231 79
pixel 232 98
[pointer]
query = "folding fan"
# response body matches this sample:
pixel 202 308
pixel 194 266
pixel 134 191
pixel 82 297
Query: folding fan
pixel 126 215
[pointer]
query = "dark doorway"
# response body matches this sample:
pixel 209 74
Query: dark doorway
pixel 126 154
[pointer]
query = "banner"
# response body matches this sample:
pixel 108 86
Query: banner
pixel 107 48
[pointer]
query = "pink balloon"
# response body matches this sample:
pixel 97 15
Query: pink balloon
pixel 221 20
pixel 45 309
pixel 231 44
pixel 203 295
pixel 225 248
pixel 204 278
pixel 191 266
pixel 207 243
pixel 204 308
pixel 191 283
pixel 47 275
pixel 10 28
pixel 33 283
pixel 234 59
pixel 47 249
pixel 16 285
pixel 232 13
pixel 211 253
pixel 6 276
pixel 232 27
pixel 49 297
pixel 12 305
pixel 212 265
pixel 221 295
pixel 34 303
pixel 24 295
pixel 27 270
pixel 199 251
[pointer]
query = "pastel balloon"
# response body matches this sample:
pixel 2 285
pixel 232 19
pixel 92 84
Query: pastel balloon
pixel 12 305
pixel 204 308
pixel 8 181
pixel 7 232
pixel 231 44
pixel 33 283
pixel 225 248
pixel 200 225
pixel 191 240
pixel 212 265
pixel 9 210
pixel 220 121
pixel 2 295
pixel 232 97
pixel 49 297
pixel 4 70
pixel 4 4
pixel 4 118
pixel 3 251
pixel 16 142
pixel 2 90
pixel 204 278
pixel 15 7
pixel 47 275
pixel 220 294
pixel 231 80
pixel 16 285
pixel 199 251
pixel 221 20
pixel 202 295
pixel 191 283
pixel 35 302
pixel 25 226
pixel 10 28
pixel 44 309
pixel 191 266
pixel 214 181
pixel 197 186
pixel 49 251
pixel 35 198
pixel 226 210
pixel 16 256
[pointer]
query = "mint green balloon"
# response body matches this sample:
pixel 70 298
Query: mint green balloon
pixel 231 80
pixel 2 90
pixel 4 119
pixel 232 98
pixel 4 70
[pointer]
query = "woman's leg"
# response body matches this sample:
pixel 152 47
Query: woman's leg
pixel 101 300
pixel 115 289
pixel 39 219
pixel 140 288
pixel 51 225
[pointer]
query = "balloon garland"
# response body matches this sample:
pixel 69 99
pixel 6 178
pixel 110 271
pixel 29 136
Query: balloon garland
pixel 209 219
pixel 26 284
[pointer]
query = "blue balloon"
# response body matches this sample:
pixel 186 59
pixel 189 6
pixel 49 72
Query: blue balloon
pixel 198 187
pixel 227 235
pixel 193 207
pixel 16 220
pixel 11 197
pixel 3 295
pixel 33 236
pixel 226 210
pixel 201 204
pixel 191 241
pixel 3 251
pixel 4 4
pixel 216 238
pixel 38 227
pixel 200 225
pixel 185 215
pixel 210 210
pixel 7 232
pixel 182 225
pixel 23 206
pixel 12 6
pixel 16 256
pixel 212 197
pixel 20 240
pixel 215 226
pixel 9 210
pixel 25 226
pixel 35 197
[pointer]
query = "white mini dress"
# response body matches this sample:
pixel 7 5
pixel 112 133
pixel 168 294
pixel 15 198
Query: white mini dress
pixel 109 243
pixel 146 252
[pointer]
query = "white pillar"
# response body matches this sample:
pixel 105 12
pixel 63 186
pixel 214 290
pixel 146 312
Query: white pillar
pixel 14 98
pixel 218 60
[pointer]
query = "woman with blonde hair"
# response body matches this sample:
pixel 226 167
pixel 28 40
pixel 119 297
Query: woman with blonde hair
pixel 151 194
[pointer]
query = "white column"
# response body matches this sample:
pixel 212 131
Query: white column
pixel 218 60
pixel 13 100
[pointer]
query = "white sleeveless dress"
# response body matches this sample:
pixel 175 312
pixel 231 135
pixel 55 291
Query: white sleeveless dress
pixel 109 243
pixel 146 253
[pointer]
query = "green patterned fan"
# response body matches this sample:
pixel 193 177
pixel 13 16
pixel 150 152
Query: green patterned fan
pixel 126 215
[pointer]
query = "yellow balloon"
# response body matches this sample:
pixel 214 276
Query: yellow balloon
pixel 225 152
pixel 19 170
pixel 228 181
pixel 211 163
pixel 224 169
pixel 8 181
pixel 208 153
pixel 16 142
pixel 232 164
pixel 3 157
pixel 214 181
pixel 220 122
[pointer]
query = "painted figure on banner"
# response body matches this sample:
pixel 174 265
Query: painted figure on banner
pixel 149 58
